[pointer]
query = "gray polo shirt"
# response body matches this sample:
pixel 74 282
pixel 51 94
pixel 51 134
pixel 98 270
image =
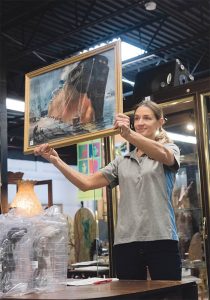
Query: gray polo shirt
pixel 145 211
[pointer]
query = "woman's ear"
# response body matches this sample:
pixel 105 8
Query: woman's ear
pixel 161 122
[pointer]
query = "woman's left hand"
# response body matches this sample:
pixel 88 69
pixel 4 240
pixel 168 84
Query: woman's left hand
pixel 122 122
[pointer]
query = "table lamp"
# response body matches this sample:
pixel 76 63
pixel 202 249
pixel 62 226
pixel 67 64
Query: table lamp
pixel 26 199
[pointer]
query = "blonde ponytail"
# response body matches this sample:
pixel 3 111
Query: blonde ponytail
pixel 162 137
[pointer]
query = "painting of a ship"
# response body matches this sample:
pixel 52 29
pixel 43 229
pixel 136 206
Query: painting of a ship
pixel 74 102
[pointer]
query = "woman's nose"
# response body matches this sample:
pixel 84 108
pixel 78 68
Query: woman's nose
pixel 140 121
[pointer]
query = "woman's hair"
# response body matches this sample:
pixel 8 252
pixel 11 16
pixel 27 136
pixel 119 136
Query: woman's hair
pixel 161 136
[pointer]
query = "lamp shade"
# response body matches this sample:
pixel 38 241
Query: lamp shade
pixel 26 199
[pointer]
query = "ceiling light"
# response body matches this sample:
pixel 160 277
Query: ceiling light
pixel 127 50
pixel 14 104
pixel 182 138
pixel 150 5
pixel 190 126
pixel 128 81
pixel 191 123
pixel 130 51
pixel 144 58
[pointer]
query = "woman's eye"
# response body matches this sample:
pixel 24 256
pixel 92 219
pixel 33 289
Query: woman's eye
pixel 146 118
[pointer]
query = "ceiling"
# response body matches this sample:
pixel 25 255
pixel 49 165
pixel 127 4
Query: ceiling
pixel 39 33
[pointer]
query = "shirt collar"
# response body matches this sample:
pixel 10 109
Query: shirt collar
pixel 133 154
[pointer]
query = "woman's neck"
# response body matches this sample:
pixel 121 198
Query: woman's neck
pixel 139 152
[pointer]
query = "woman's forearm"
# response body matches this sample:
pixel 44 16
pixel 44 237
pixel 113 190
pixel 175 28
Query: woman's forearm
pixel 150 147
pixel 78 179
pixel 82 181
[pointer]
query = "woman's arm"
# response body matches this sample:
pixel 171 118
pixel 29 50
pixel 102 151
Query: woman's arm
pixel 82 181
pixel 153 149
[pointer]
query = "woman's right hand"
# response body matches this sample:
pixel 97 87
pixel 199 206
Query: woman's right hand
pixel 122 122
pixel 46 152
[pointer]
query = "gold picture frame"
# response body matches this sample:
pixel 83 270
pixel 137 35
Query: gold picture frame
pixel 73 100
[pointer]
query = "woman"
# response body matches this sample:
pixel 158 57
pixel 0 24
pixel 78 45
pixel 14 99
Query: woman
pixel 145 235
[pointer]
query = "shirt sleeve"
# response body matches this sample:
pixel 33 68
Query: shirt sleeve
pixel 111 172
pixel 176 153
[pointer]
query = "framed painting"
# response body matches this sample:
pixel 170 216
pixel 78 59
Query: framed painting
pixel 73 100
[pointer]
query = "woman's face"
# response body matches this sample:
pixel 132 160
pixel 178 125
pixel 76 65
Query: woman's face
pixel 146 123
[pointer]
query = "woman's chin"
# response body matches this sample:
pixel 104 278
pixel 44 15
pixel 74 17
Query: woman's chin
pixel 142 132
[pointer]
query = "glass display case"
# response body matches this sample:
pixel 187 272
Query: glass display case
pixel 182 124
pixel 187 111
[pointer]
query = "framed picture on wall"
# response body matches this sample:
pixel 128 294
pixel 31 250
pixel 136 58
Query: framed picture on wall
pixel 73 100
pixel 89 161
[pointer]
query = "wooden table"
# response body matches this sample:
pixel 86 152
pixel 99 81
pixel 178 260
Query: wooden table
pixel 125 289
